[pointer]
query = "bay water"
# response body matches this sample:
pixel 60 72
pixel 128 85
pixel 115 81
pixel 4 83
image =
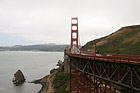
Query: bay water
pixel 34 65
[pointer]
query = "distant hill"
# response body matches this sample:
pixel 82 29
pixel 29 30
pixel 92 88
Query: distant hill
pixel 39 47
pixel 126 41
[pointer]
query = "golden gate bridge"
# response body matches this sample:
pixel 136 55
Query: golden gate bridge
pixel 100 73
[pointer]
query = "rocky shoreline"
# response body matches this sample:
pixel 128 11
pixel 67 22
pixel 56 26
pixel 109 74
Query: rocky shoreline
pixel 46 81
pixel 43 82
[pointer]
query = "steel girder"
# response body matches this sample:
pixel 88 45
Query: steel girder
pixel 81 82
pixel 119 76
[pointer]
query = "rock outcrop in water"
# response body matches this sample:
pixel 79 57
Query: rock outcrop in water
pixel 60 63
pixel 18 78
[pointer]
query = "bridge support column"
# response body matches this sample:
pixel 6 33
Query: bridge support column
pixel 101 86
pixel 80 82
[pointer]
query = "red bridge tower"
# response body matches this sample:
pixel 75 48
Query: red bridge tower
pixel 74 33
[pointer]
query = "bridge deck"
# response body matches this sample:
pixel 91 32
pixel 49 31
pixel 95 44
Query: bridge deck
pixel 126 59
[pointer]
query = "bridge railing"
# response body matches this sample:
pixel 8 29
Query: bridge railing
pixel 129 59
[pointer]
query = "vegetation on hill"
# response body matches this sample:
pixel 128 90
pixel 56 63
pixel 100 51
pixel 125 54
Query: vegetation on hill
pixel 125 41
pixel 61 80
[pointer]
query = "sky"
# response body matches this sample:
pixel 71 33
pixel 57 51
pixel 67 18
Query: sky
pixel 29 22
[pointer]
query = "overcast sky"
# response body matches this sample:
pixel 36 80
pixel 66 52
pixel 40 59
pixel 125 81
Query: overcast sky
pixel 49 21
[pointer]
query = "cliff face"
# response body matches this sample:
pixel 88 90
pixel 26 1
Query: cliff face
pixel 125 41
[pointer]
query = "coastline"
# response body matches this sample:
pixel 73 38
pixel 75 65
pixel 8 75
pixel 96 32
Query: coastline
pixel 56 81
pixel 34 65
pixel 43 82
pixel 46 82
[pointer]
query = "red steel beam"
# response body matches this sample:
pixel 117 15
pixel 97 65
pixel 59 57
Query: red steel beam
pixel 115 59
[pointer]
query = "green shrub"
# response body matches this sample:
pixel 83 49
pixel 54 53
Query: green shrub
pixel 61 81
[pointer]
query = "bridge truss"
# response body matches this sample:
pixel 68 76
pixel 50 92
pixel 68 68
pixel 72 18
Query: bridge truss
pixel 94 76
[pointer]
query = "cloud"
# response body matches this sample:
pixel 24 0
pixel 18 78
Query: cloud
pixel 48 21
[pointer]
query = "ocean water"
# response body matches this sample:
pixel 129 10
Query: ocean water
pixel 34 65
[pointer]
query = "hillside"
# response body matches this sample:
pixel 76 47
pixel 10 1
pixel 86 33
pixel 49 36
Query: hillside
pixel 126 41
pixel 39 47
